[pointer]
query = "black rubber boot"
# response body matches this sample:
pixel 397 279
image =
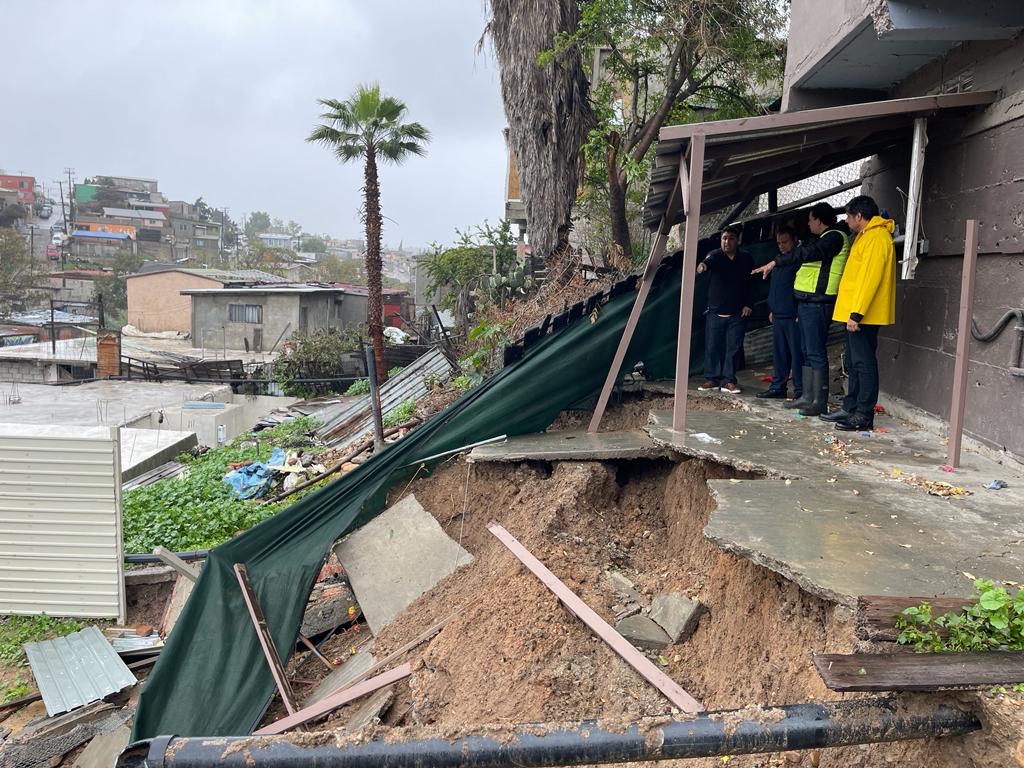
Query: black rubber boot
pixel 808 396
pixel 819 388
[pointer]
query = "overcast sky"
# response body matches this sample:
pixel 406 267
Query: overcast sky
pixel 216 97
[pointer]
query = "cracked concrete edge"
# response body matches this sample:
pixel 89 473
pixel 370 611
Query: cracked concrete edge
pixel 705 454
pixel 773 564
pixel 657 451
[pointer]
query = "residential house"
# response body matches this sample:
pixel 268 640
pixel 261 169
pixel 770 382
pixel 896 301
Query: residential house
pixel 277 240
pixel 41 325
pixel 101 248
pixel 8 197
pixel 24 186
pixel 151 225
pixel 193 236
pixel 74 285
pixel 973 168
pixel 256 318
pixel 155 298
pixel 398 305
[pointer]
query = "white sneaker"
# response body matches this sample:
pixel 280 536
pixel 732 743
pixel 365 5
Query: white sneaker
pixel 730 389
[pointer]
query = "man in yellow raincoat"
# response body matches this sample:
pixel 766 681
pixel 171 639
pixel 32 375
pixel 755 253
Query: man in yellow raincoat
pixel 866 301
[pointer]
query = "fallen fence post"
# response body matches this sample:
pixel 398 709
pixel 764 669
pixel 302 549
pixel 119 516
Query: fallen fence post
pixel 171 559
pixel 919 671
pixel 259 623
pixel 335 700
pixel 671 690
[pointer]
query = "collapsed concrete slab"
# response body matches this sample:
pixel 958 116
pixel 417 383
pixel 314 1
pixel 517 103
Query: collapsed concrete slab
pixel 643 632
pixel 572 446
pixel 677 614
pixel 395 558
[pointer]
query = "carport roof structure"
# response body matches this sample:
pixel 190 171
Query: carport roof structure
pixel 702 167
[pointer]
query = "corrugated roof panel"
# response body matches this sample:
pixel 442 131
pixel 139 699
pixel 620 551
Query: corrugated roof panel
pixel 344 427
pixel 74 670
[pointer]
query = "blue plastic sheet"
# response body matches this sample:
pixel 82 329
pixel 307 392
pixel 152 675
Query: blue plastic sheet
pixel 252 481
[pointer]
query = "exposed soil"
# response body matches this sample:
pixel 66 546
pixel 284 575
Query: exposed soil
pixel 515 655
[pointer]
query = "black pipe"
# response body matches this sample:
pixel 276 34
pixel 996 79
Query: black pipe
pixel 1017 351
pixel 731 732
pixel 198 554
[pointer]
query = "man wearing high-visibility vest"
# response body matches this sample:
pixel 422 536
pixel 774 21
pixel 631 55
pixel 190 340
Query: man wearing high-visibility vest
pixel 815 287
pixel 866 302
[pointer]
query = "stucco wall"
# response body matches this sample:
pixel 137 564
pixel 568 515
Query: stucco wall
pixel 212 328
pixel 156 304
pixel 815 28
pixel 966 176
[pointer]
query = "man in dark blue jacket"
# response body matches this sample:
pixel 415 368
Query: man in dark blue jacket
pixel 787 349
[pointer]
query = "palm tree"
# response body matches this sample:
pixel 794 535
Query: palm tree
pixel 368 126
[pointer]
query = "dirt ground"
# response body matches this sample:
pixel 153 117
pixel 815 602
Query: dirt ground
pixel 515 655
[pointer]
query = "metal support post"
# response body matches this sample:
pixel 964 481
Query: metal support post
pixel 914 197
pixel 963 340
pixel 691 204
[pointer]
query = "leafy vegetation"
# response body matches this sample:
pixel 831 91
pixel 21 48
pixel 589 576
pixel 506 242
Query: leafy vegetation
pixel 15 631
pixel 994 622
pixel 359 387
pixel 198 510
pixel 485 341
pixel 401 414
pixel 316 355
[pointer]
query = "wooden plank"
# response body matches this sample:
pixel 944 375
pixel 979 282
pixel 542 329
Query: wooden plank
pixel 919 671
pixel 398 652
pixel 259 623
pixel 671 690
pixel 336 700
pixel 175 604
pixel 171 559
pixel 876 614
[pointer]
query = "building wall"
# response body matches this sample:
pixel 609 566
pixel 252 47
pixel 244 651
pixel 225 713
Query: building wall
pixel 967 174
pixel 156 304
pixel 25 186
pixel 282 314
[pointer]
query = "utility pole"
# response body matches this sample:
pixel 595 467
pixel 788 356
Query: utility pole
pixel 71 192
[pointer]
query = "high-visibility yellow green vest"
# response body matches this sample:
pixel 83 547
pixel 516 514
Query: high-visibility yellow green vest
pixel 811 280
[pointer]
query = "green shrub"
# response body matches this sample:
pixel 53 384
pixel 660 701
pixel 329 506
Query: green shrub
pixel 359 387
pixel 994 622
pixel 401 414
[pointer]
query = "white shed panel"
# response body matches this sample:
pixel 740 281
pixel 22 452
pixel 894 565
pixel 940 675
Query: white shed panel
pixel 60 521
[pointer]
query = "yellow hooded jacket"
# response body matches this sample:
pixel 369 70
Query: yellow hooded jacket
pixel 868 286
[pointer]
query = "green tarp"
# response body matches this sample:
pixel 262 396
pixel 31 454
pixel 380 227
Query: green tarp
pixel 211 678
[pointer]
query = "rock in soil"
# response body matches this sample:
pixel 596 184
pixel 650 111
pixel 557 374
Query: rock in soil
pixel 643 632
pixel 677 614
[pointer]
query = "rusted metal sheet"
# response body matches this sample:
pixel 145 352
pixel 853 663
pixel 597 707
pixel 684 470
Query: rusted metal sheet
pixel 74 670
pixel 669 687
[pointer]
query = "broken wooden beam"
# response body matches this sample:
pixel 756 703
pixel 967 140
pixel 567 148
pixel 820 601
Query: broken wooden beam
pixel 876 614
pixel 259 623
pixel 919 671
pixel 335 700
pixel 668 687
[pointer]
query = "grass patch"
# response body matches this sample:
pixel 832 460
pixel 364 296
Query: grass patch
pixel 198 510
pixel 15 631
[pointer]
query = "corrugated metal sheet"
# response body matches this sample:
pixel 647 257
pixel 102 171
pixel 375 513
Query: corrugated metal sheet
pixel 75 670
pixel 345 424
pixel 60 521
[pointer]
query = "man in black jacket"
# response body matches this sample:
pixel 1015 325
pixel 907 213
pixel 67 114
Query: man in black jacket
pixel 815 288
pixel 729 298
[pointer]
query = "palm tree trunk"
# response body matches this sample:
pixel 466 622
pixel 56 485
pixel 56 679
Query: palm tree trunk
pixel 371 193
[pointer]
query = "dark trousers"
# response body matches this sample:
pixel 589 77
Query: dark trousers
pixel 815 318
pixel 787 354
pixel 723 345
pixel 862 364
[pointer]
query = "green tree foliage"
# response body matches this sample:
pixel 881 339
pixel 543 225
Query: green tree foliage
pixel 478 251
pixel 317 355
pixel 17 270
pixel 258 221
pixel 114 287
pixel 368 128
pixel 313 244
pixel 10 214
pixel 331 269
pixel 666 62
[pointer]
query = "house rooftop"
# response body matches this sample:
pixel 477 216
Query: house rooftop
pixel 42 317
pixel 101 235
pixel 221 275
pixel 265 289
pixel 131 213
